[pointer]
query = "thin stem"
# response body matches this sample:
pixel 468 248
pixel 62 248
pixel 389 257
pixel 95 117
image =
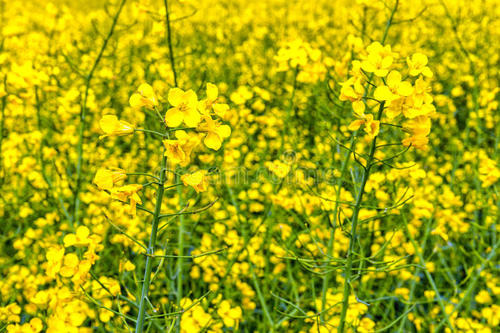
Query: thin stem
pixel 151 132
pixel 150 251
pixel 326 278
pixel 169 41
pixel 83 113
pixel 180 259
pixel 354 225
pixel 428 275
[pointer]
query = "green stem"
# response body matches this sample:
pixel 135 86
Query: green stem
pixel 262 300
pixel 83 113
pixel 151 132
pixel 428 275
pixel 326 278
pixel 150 251
pixel 169 41
pixel 354 225
pixel 180 259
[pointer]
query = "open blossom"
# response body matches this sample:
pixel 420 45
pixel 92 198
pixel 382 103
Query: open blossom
pixel 196 180
pixel 145 96
pixel 216 132
pixel 211 102
pixel 128 193
pixel 179 151
pixel 106 178
pixel 371 127
pixel 394 89
pixel 378 60
pixel 184 108
pixel 111 126
pixel 417 64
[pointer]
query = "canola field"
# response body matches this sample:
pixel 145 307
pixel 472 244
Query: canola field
pixel 249 166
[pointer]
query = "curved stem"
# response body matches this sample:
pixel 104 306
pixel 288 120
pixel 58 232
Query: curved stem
pixel 354 225
pixel 150 251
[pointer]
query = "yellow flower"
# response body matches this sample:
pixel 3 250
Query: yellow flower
pixel 70 266
pixel 417 64
pixel 216 132
pixel 128 192
pixel 230 316
pixel 111 126
pixel 178 151
pixel 352 90
pixel 395 88
pixel 378 60
pixel 105 179
pixel 371 127
pixel 80 238
pixel 144 97
pixel 184 108
pixel 197 180
pixel 483 297
pixel 206 105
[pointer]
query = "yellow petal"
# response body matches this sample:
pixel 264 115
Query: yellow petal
pixel 224 131
pixel 355 125
pixel 175 96
pixel 383 93
pixel 367 66
pixel 174 117
pixel 109 123
pixel 358 107
pixel 190 99
pixel 405 89
pixel 393 78
pixel 146 90
pixel 82 232
pixel 427 72
pixel 220 109
pixel 212 92
pixel 136 101
pixel 103 179
pixel 212 141
pixel 192 117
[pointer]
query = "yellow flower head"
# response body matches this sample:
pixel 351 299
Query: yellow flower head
pixel 111 126
pixel 216 132
pixel 371 127
pixel 105 179
pixel 184 108
pixel 211 102
pixel 379 59
pixel 196 180
pixel 145 96
pixel 126 193
pixel 178 151
pixel 417 64
pixel 80 238
pixel 394 89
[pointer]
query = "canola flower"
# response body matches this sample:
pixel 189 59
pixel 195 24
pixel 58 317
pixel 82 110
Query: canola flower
pixel 263 168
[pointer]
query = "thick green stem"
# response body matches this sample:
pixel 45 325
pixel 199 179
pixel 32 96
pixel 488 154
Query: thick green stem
pixel 354 226
pixel 150 251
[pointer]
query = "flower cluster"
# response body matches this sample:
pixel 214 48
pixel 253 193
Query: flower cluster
pixel 377 78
